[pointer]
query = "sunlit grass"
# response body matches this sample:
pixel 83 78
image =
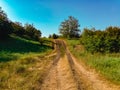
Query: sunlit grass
pixel 24 74
pixel 23 63
pixel 16 47
pixel 106 64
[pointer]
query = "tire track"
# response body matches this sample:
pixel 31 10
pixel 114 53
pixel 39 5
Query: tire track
pixel 67 74
pixel 61 75
pixel 73 69
pixel 51 76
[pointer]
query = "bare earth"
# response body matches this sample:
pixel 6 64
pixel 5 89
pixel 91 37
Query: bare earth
pixel 66 73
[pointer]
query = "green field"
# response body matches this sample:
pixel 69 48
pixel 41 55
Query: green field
pixel 108 65
pixel 23 63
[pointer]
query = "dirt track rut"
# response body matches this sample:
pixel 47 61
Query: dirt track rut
pixel 61 75
pixel 67 74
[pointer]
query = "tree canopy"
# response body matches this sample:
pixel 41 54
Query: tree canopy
pixel 102 41
pixel 8 27
pixel 32 32
pixel 70 27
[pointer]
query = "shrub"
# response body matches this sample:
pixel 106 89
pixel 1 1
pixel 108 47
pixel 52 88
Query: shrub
pixel 102 41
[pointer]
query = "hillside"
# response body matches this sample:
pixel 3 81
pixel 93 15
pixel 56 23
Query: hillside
pixel 21 61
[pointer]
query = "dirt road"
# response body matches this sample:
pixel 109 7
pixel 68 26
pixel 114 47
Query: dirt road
pixel 67 74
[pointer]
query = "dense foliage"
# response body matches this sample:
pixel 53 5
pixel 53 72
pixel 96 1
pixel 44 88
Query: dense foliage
pixel 70 28
pixel 32 32
pixel 8 27
pixel 5 25
pixel 102 41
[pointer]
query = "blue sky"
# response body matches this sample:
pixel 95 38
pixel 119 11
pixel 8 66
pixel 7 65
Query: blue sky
pixel 46 15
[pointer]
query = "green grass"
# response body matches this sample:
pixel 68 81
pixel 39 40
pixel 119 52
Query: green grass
pixel 24 74
pixel 16 47
pixel 23 63
pixel 108 65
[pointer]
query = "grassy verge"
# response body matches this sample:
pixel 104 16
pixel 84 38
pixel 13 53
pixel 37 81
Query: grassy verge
pixel 106 64
pixel 23 64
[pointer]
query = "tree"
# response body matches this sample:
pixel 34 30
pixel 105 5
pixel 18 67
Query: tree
pixel 18 29
pixel 8 27
pixel 55 36
pixel 5 25
pixel 32 32
pixel 70 27
pixel 50 36
pixel 102 41
pixel 3 15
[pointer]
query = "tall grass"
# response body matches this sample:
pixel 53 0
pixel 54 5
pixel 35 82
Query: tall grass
pixel 23 64
pixel 108 65
pixel 24 74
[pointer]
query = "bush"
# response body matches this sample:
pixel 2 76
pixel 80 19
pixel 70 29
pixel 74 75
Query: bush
pixel 102 41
